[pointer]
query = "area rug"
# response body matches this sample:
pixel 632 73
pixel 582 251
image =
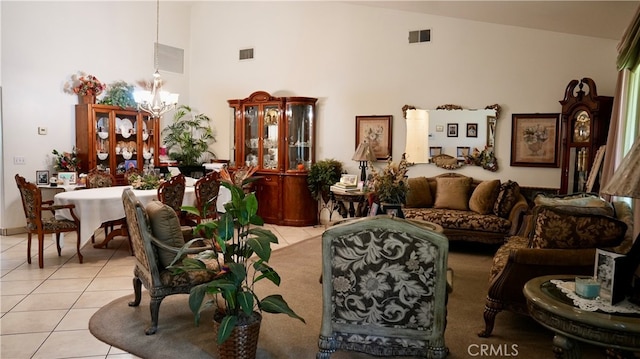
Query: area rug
pixel 281 337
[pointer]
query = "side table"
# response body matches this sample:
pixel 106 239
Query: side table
pixel 339 198
pixel 552 308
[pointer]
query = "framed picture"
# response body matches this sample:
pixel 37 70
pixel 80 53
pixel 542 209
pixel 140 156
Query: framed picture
pixel 376 130
pixel 42 177
pixel 435 151
pixel 349 180
pixel 130 164
pixel 608 271
pixel 394 210
pixel 72 177
pixel 535 140
pixel 472 130
pixel 463 151
pixel 452 130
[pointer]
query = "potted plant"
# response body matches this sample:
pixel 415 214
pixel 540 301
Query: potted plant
pixel 390 185
pixel 119 93
pixel 188 138
pixel 321 176
pixel 235 241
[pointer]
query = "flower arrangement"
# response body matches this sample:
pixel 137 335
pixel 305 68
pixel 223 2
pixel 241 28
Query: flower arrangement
pixel 242 252
pixel 485 158
pixel 83 84
pixel 535 134
pixel 146 181
pixel 390 185
pixel 66 161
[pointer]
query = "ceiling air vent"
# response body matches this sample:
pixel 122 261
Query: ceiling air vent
pixel 246 54
pixel 419 36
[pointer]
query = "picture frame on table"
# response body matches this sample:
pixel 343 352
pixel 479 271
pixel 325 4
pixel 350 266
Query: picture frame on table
pixel 435 151
pixel 535 140
pixel 71 177
pixel 42 177
pixel 349 180
pixel 376 130
pixel 394 210
pixel 609 270
pixel 462 152
pixel 452 130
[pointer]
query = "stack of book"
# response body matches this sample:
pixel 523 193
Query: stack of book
pixel 342 187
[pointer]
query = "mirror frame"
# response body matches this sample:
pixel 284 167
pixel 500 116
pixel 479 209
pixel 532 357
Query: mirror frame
pixel 485 158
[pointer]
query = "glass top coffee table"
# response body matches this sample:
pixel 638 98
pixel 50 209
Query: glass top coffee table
pixel 552 308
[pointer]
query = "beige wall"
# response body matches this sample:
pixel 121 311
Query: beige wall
pixel 355 59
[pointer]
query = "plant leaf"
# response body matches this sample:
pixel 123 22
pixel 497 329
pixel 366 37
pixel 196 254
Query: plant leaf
pixel 276 304
pixel 245 299
pixel 226 327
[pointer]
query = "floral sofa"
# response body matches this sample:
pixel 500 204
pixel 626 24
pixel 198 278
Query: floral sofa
pixel 467 209
pixel 559 236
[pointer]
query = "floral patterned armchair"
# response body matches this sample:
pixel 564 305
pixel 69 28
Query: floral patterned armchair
pixel 384 289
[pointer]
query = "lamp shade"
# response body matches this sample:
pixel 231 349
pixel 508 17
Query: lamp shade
pixel 417 147
pixel 625 182
pixel 363 153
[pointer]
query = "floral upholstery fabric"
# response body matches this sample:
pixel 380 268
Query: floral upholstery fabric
pixel 555 227
pixel 387 279
pixel 98 179
pixel 171 192
pixel 502 254
pixel 508 195
pixel 467 220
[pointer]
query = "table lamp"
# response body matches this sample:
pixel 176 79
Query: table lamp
pixel 363 154
pixel 625 182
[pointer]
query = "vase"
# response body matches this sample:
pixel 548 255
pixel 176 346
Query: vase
pixel 86 99
pixel 243 342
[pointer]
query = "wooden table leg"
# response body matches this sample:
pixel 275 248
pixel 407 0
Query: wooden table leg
pixel 122 231
pixel 565 348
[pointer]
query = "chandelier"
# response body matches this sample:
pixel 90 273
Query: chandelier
pixel 156 102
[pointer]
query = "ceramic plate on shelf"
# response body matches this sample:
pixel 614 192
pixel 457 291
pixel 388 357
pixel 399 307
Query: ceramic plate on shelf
pixel 103 124
pixel 126 126
pixel 118 124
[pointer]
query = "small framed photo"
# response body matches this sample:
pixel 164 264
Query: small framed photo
pixel 452 130
pixel 472 130
pixel 394 210
pixel 349 180
pixel 72 177
pixel 609 271
pixel 42 177
pixel 435 151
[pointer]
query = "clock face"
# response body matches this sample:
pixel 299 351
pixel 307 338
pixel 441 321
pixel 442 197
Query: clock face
pixel 582 127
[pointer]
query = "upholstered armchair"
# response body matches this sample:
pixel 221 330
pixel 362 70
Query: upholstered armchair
pixel 156 236
pixel 384 288
pixel 538 249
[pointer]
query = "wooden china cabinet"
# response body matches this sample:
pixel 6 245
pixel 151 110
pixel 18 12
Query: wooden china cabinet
pixel 277 134
pixel 113 139
pixel 585 125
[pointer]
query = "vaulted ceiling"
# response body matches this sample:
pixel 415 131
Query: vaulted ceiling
pixel 604 19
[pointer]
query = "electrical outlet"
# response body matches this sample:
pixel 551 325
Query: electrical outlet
pixel 19 160
pixel 42 130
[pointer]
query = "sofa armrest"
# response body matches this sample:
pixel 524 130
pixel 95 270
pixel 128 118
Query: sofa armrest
pixel 552 257
pixel 517 213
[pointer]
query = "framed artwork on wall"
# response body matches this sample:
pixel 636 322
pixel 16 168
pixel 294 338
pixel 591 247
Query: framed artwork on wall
pixel 376 130
pixel 42 177
pixel 535 140
pixel 472 130
pixel 452 130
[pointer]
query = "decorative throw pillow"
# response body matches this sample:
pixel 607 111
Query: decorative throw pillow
pixel 584 202
pixel 165 226
pixel 507 197
pixel 555 227
pixel 453 193
pixel 419 194
pixel 484 196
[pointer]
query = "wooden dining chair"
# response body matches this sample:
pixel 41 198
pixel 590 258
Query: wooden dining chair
pixel 98 179
pixel 207 189
pixel 34 206
pixel 171 193
pixel 131 171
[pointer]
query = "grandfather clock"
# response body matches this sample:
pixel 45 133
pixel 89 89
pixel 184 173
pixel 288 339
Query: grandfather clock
pixel 585 125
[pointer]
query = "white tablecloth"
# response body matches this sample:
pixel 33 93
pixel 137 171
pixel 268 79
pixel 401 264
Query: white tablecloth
pixel 98 205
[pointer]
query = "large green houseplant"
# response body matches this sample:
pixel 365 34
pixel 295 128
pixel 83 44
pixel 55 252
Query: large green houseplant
pixel 322 175
pixel 235 241
pixel 188 137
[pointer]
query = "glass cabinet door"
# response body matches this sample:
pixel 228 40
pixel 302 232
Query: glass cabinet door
pixel 148 142
pixel 103 137
pixel 252 135
pixel 270 130
pixel 299 136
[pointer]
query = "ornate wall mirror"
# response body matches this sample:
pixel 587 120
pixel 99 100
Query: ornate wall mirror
pixel 457 136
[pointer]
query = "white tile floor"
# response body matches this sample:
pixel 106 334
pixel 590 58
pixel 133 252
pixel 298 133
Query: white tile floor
pixel 45 312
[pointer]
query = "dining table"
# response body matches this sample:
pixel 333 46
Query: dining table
pixel 95 206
